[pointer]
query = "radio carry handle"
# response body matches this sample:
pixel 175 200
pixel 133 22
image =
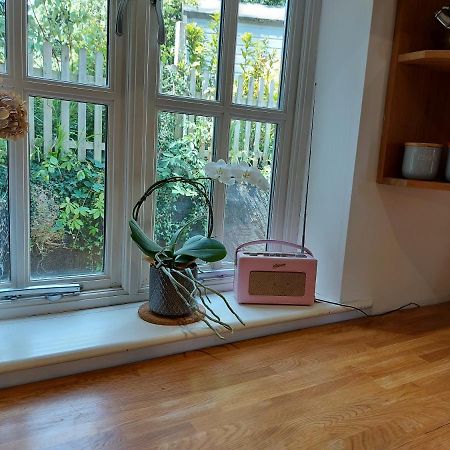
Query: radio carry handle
pixel 271 241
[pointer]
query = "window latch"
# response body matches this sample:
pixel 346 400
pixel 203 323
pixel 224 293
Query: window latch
pixel 160 18
pixel 50 292
pixel 122 4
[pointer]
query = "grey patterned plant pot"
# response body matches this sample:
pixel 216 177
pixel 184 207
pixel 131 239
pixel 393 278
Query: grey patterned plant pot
pixel 163 297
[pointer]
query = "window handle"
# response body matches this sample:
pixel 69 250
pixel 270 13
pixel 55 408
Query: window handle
pixel 121 6
pixel 159 16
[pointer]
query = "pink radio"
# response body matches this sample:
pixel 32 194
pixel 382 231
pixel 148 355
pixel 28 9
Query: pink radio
pixel 275 278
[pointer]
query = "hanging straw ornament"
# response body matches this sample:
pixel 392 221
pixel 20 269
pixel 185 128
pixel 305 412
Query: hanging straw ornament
pixel 13 116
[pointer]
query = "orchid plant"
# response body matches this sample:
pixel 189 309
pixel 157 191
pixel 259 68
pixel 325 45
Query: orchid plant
pixel 178 260
pixel 230 174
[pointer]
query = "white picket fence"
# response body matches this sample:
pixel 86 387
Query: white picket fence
pixel 260 140
pixel 64 74
pixel 256 144
pixel 255 97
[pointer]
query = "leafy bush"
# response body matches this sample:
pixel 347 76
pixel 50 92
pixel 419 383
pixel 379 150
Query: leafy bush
pixel 75 24
pixel 180 157
pixel 67 205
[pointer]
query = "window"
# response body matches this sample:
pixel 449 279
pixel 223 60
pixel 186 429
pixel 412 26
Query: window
pixel 108 115
pixel 56 219
pixel 221 93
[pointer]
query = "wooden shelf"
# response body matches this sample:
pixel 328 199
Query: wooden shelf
pixel 436 59
pixel 418 184
pixel 418 97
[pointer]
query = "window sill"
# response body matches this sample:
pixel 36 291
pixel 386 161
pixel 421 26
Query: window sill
pixel 43 347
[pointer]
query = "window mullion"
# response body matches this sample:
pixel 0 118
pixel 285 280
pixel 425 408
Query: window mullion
pixel 294 136
pixel 226 75
pixel 65 91
pixel 228 50
pixel 140 108
pixel 18 153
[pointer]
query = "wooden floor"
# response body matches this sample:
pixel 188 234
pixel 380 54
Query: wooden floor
pixel 379 383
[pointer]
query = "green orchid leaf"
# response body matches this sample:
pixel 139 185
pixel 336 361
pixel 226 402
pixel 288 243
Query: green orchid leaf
pixel 184 260
pixel 193 239
pixel 206 249
pixel 145 244
pixel 173 241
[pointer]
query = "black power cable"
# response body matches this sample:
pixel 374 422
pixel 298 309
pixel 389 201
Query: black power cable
pixel 369 315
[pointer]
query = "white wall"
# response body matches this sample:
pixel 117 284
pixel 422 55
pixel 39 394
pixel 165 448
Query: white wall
pixel 386 244
pixel 398 241
pixel 340 75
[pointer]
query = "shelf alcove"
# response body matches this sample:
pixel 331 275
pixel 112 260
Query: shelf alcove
pixel 418 96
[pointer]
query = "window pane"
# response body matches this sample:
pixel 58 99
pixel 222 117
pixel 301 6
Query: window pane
pixel 259 52
pixel 2 36
pixel 67 187
pixel 189 57
pixel 4 213
pixel 184 147
pixel 246 206
pixel 68 40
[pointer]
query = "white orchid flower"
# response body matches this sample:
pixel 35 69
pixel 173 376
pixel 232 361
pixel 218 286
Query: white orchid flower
pixel 220 171
pixel 250 174
pixel 237 171
pixel 229 174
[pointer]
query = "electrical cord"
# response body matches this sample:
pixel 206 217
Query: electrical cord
pixel 369 315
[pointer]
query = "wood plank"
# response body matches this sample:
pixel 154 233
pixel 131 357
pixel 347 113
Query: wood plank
pixel 376 383
pixel 47 103
pixel 427 57
pixel 65 105
pixel 98 110
pixel 82 107
pixel 418 184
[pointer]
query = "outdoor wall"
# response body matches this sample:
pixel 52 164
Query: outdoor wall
pixel 398 241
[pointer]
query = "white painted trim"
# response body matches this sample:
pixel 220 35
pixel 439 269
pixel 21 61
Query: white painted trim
pixel 17 78
pixel 95 298
pixel 288 194
pixel 106 337
pixel 303 115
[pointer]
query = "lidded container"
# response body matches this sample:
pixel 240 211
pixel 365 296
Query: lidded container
pixel 421 161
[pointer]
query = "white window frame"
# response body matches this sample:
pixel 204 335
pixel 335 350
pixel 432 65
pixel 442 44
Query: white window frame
pixel 297 77
pixel 18 80
pixel 133 103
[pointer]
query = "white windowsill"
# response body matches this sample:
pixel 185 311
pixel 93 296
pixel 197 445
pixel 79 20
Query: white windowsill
pixel 42 347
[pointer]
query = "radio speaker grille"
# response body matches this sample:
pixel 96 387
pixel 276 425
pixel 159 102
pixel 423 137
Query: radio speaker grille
pixel 282 284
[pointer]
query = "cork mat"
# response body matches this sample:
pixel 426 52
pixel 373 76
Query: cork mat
pixel 149 316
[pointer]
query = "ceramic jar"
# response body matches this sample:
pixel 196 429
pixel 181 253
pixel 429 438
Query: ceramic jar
pixel 421 161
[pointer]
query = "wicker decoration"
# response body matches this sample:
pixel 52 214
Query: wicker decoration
pixel 13 117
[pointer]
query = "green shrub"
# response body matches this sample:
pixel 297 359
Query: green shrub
pixel 67 204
